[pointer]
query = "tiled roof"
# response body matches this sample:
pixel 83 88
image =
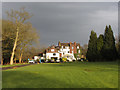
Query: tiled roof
pixel 65 44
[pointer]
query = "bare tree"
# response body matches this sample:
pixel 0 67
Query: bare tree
pixel 19 19
pixel 26 39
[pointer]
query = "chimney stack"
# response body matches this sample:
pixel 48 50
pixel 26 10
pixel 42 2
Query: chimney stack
pixel 59 44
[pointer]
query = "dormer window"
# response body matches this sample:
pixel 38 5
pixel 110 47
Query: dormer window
pixel 52 50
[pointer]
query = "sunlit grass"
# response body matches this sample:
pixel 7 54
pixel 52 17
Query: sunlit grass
pixel 63 75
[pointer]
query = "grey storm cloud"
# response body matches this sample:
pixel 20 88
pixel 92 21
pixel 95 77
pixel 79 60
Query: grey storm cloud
pixel 67 22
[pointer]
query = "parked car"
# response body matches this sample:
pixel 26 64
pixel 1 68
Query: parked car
pixel 46 61
pixel 31 61
pixel 73 60
pixel 57 61
pixel 52 61
pixel 82 59
pixel 69 59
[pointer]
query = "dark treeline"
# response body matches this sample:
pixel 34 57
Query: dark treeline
pixel 119 46
pixel 102 48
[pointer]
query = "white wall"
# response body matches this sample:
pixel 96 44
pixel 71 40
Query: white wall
pixel 65 51
pixel 49 55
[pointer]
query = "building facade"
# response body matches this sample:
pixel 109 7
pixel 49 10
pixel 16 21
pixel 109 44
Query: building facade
pixel 66 50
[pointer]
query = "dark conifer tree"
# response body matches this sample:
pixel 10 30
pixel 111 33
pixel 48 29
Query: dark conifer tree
pixel 109 51
pixel 91 52
pixel 119 46
pixel 99 47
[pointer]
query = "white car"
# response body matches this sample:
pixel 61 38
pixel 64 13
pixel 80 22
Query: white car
pixel 46 61
pixel 57 60
pixel 69 59
pixel 52 60
pixel 31 61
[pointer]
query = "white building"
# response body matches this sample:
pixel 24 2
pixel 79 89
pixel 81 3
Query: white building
pixel 66 50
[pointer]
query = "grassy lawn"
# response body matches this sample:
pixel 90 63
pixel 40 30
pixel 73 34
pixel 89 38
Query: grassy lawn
pixel 63 75
pixel 13 65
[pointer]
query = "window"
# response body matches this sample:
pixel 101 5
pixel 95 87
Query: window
pixel 72 47
pixel 52 50
pixel 77 47
pixel 67 47
pixel 68 52
pixel 54 54
pixel 78 51
pixel 72 51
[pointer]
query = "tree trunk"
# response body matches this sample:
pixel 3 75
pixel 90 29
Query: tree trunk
pixel 1 61
pixel 14 47
pixel 15 60
pixel 20 59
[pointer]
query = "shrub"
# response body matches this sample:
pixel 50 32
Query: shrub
pixel 37 60
pixel 64 59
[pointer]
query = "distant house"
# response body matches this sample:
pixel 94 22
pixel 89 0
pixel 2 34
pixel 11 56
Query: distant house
pixel 52 53
pixel 66 50
pixel 63 50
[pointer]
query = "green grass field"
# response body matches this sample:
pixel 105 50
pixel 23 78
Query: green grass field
pixel 63 75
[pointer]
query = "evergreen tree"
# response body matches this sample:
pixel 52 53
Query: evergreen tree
pixel 91 53
pixel 99 46
pixel 119 46
pixel 109 50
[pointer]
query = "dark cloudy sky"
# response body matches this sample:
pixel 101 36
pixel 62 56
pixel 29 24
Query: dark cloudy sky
pixel 67 22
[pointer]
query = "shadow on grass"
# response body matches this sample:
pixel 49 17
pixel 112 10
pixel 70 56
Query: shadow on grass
pixel 19 79
pixel 46 78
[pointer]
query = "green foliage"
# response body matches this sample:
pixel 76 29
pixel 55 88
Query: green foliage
pixel 7 40
pixel 76 55
pixel 84 49
pixel 91 53
pixel 64 59
pixel 103 47
pixel 119 46
pixel 109 50
pixel 37 60
pixel 99 46
pixel 17 23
